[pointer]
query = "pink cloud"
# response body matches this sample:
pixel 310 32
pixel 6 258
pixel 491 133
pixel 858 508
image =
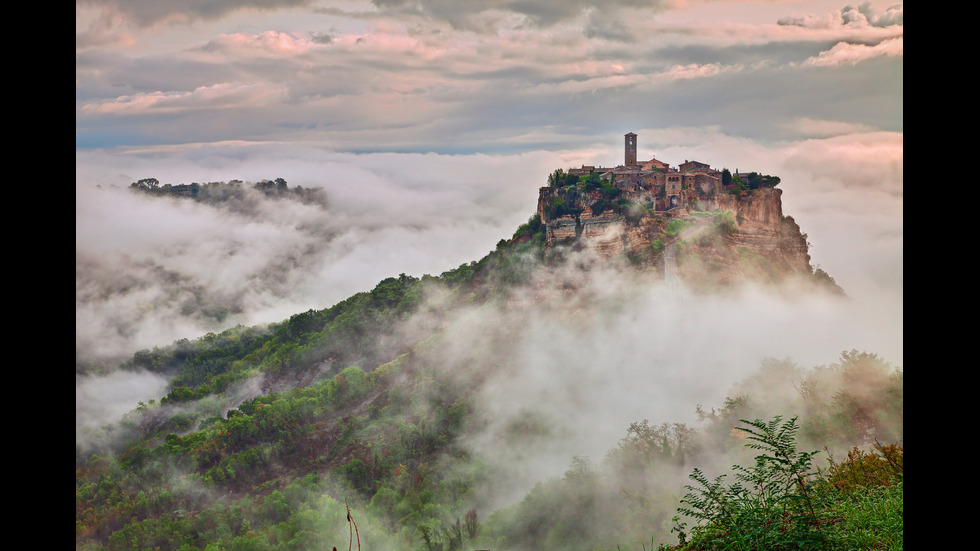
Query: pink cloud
pixel 844 53
pixel 222 95
pixel 268 43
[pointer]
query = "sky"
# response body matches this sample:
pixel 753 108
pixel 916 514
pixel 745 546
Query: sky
pixel 430 125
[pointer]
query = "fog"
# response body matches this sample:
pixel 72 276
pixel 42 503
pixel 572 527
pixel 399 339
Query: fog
pixel 562 373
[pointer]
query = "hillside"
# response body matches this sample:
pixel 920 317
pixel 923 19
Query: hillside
pixel 414 404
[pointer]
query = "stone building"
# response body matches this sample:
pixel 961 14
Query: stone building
pixel 691 166
pixel 655 181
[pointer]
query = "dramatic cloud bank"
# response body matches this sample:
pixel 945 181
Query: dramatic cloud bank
pixel 400 76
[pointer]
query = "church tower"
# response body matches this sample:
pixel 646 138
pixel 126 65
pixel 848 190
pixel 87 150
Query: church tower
pixel 630 149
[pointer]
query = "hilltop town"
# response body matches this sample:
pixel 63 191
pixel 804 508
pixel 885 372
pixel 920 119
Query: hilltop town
pixel 654 184
pixel 728 226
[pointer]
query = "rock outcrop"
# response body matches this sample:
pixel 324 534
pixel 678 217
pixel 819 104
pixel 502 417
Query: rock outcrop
pixel 731 238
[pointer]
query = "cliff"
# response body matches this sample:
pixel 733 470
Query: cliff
pixel 719 237
pixel 761 243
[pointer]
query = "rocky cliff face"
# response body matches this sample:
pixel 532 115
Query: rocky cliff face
pixel 733 238
pixel 760 245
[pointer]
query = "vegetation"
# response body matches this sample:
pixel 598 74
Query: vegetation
pixel 675 226
pixel 271 451
pixel 754 181
pixel 725 222
pixel 570 194
pixel 782 503
pixel 824 280
pixel 769 502
pixel 738 187
pixel 735 185
pixel 388 441
pixel 780 499
pixel 228 193
pixel 530 229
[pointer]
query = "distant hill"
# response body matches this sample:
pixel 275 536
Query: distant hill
pixel 228 193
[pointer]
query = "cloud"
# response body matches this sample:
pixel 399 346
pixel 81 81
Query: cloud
pixel 102 400
pixel 321 38
pixel 473 14
pixel 864 15
pixel 683 72
pixel 582 364
pixel 825 128
pixel 616 78
pixel 226 95
pixel 101 28
pixel 394 82
pixel 870 160
pixel 847 193
pixel 844 53
pixel 147 13
pixel 268 44
pixel 145 267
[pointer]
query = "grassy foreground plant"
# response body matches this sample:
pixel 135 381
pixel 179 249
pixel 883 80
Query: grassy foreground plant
pixel 769 507
pixel 781 502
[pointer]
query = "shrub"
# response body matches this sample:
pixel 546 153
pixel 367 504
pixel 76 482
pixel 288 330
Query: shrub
pixel 656 246
pixel 781 503
pixel 864 469
pixel 674 226
pixel 770 507
pixel 531 227
pixel 725 222
pixel 599 207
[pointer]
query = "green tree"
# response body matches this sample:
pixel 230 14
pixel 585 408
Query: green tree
pixel 556 178
pixel 146 184
pixel 592 182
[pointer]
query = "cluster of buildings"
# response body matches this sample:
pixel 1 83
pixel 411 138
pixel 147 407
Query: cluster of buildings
pixel 641 179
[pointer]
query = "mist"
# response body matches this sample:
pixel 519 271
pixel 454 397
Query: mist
pixel 564 365
pixel 148 270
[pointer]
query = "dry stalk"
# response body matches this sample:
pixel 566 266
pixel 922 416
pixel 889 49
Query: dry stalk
pixel 353 526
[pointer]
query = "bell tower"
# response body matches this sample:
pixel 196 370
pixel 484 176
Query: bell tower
pixel 630 149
